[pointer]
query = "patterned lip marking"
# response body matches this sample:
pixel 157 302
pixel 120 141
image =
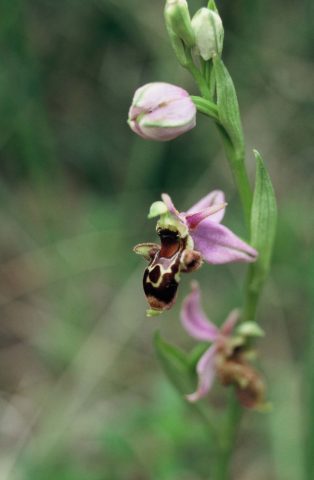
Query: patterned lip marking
pixel 164 293
pixel 174 255
pixel 162 275
pixel 161 278
pixel 154 274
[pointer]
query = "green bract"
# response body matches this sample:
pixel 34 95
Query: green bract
pixel 250 329
pixel 228 107
pixel 263 223
pixel 157 209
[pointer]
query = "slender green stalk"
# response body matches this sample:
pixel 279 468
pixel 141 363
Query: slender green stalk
pixel 309 395
pixel 237 165
pixel 251 298
pixel 206 107
pixel 236 159
pixel 225 439
pixel 198 77
pixel 222 466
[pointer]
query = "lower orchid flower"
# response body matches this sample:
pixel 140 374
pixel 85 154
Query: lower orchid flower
pixel 228 356
pixel 187 239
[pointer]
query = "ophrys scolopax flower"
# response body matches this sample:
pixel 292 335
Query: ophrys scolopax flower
pixel 228 357
pixel 186 240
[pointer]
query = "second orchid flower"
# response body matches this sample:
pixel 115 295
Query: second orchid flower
pixel 228 356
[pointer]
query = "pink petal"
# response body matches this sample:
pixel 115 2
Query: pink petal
pixel 193 219
pixel 230 322
pixel 194 319
pixel 206 374
pixel 148 97
pixel 169 204
pixel 169 121
pixel 216 197
pixel 218 244
pixel 136 129
pixel 162 133
pixel 176 113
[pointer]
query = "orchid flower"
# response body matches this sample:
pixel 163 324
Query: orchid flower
pixel 226 358
pixel 187 239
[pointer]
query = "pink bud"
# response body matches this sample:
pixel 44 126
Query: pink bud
pixel 161 111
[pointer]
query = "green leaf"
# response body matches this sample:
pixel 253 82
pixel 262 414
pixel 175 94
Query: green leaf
pixel 228 107
pixel 180 369
pixel 175 364
pixel 196 354
pixel 263 223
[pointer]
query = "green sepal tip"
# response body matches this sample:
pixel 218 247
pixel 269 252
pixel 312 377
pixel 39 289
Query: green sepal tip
pixel 157 209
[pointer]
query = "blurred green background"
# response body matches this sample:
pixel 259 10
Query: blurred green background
pixel 82 396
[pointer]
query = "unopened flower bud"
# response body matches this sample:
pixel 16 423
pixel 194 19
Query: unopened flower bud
pixel 209 33
pixel 178 21
pixel 161 111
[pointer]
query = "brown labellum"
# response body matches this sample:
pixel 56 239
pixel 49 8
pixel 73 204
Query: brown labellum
pixel 166 262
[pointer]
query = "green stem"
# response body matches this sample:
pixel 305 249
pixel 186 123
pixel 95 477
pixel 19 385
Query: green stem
pixel 236 161
pixel 251 298
pixel 198 77
pixel 235 158
pixel 222 466
pixel 227 440
pixel 206 107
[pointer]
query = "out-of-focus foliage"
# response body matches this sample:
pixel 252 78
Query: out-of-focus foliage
pixel 82 395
